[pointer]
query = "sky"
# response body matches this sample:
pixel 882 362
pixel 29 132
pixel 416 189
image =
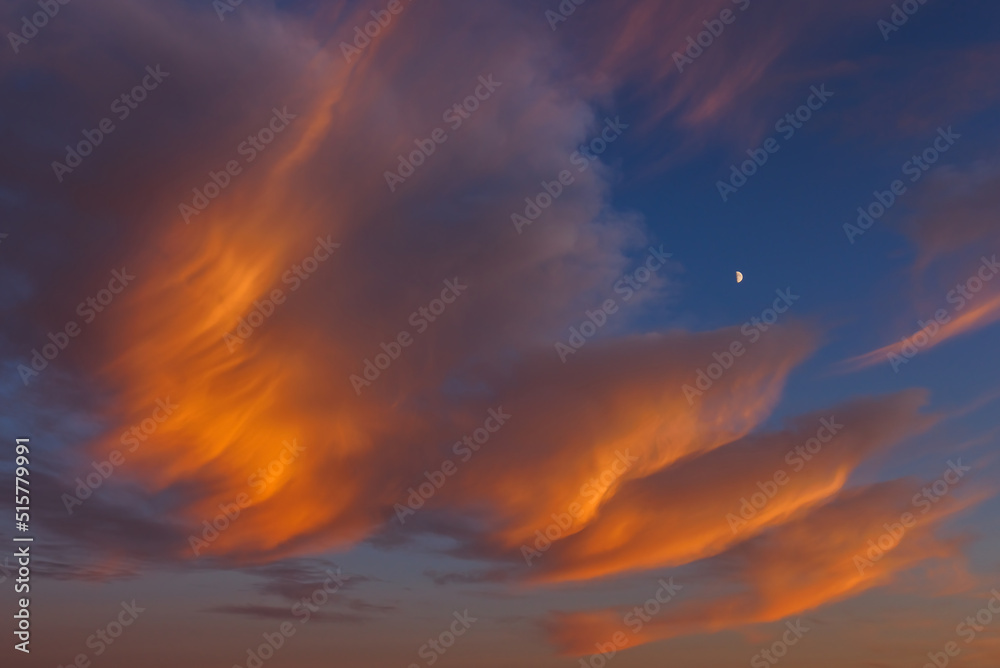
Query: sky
pixel 409 334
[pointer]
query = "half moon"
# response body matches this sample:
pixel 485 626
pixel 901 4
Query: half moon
pixel 739 277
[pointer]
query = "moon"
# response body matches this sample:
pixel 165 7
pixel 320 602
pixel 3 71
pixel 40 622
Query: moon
pixel 739 277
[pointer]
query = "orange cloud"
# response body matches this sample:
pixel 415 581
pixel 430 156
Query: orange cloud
pixel 696 508
pixel 614 413
pixel 170 334
pixel 934 334
pixel 791 569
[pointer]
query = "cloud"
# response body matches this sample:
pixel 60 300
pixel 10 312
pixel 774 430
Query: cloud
pixel 571 423
pixel 315 585
pixel 283 613
pixel 697 509
pixel 321 182
pixel 934 334
pixel 953 225
pixel 322 177
pixel 815 552
pixel 957 210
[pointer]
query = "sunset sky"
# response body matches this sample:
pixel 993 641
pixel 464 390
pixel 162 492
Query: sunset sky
pixel 408 333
